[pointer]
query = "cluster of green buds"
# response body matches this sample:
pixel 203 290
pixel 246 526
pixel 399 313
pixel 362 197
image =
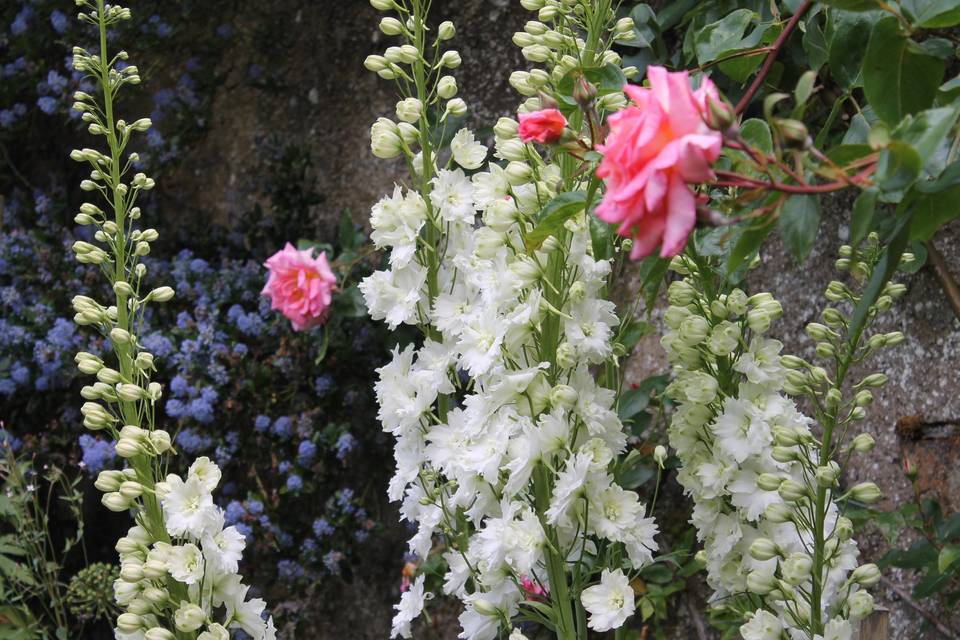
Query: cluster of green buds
pixel 421 67
pixel 90 592
pixel 554 40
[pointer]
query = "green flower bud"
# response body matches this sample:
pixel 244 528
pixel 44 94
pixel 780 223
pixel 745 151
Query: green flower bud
pixel 155 595
pixel 457 108
pixel 737 302
pixel 844 529
pixel 126 448
pixel 391 26
pixel 693 330
pixel 450 60
pixel 446 31
pixel 518 173
pixel 409 110
pixel 385 140
pixel 660 455
pixel 866 575
pixel 894 338
pixel 129 622
pixel 827 475
pixel 769 481
pixel 792 491
pixel 758 320
pixel 680 293
pixel 866 492
pixel 674 315
pixel 863 443
pixel 115 502
pixel 764 549
pixel 159 633
pixel 861 605
pixel 784 454
pixel 139 606
pixel 506 129
pixel 563 396
pixel 820 332
pixel 161 294
pixel 796 568
pixel 131 490
pixel 566 356
pixel 375 63
pixel 108 480
pixel 760 582
pixel 189 617
pixel 778 513
pixel 874 380
pixel 825 350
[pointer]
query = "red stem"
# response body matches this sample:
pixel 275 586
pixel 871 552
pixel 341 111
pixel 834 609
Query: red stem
pixel 772 57
pixel 731 179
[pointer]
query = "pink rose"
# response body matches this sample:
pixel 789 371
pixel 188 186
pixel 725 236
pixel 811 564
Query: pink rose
pixel 655 149
pixel 545 127
pixel 300 286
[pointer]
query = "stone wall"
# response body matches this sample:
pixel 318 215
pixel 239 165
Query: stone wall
pixel 321 97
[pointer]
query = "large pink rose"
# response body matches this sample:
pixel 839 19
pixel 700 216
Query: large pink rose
pixel 300 286
pixel 656 148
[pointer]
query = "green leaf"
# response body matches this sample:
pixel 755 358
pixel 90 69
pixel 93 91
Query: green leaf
pixel 845 34
pixel 653 270
pixel 799 223
pixel 346 232
pixel 864 210
pixel 815 44
pixel 897 79
pixel 843 154
pixel 632 402
pixel 852 5
pixel 927 130
pixel 601 237
pixel 747 245
pixel 803 91
pixel 554 214
pixel 757 133
pixel 932 211
pixel 948 555
pixel 646 31
pixel 728 36
pixel 932 14
pixel 673 13
pixel 634 471
pixel 899 166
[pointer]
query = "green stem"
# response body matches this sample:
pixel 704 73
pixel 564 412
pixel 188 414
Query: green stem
pixel 556 570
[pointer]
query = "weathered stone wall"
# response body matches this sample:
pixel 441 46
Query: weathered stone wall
pixel 321 96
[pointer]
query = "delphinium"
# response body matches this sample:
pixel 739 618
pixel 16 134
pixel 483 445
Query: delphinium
pixel 178 574
pixel 764 477
pixel 508 443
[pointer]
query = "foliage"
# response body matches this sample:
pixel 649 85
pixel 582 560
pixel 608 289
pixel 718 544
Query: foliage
pixel 36 600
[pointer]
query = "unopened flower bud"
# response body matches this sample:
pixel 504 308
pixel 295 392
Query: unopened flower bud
pixel 115 502
pixel 189 617
pixel 450 60
pixel 563 396
pixel 446 30
pixel 693 330
pixel 760 582
pixel 758 320
pixel 764 549
pixel 827 475
pixel 893 338
pixel 794 132
pixel 866 492
pixel 796 568
pixel 126 448
pixel 155 595
pixel 518 173
pixel 131 490
pixel 863 443
pixel 154 569
pixel 680 293
pixel 874 380
pixel 861 605
pixel 108 480
pixel 778 513
pixel 866 575
pixel 161 294
pixel 409 110
pixel 566 356
pixel 447 87
pixel 391 26
pixel 784 454
pixel 129 622
pixel 660 455
pixel 720 114
pixel 506 128
pixel 158 633
pixel 769 481
pixel 792 491
pixel 457 108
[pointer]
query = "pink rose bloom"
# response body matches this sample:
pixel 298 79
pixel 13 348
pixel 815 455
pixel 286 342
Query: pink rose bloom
pixel 655 149
pixel 545 127
pixel 300 286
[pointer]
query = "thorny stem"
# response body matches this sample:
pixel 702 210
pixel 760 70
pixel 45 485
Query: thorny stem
pixel 733 179
pixel 772 56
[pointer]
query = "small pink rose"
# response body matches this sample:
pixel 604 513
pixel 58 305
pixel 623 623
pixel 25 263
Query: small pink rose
pixel 300 286
pixel 545 127
pixel 656 148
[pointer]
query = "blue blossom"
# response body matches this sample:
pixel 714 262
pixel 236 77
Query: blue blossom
pixel 158 344
pixel 59 21
pixel 174 408
pixel 55 82
pixel 284 466
pixel 240 350
pixel 306 452
pixel 47 104
pixel 200 410
pixel 192 442
pixel 294 482
pixel 290 570
pixel 261 423
pixel 179 385
pixel 20 374
pixel 282 427
pixel 332 562
pixel 224 31
pixel 323 384
pixel 154 138
pixel 245 530
pixel 21 21
pixel 345 444
pixel 234 512
pixel 7 118
pixel 322 528
pixel 97 454
pixel 255 507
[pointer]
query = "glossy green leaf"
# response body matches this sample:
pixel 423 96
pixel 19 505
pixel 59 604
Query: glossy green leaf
pixel 601 237
pixel 897 79
pixel 948 555
pixel 845 34
pixel 899 166
pixel 554 214
pixel 852 5
pixel 927 130
pixel 864 212
pixel 729 35
pixel 932 14
pixel 815 44
pixel 757 133
pixel 933 210
pixel 646 31
pixel 799 223
pixel 747 245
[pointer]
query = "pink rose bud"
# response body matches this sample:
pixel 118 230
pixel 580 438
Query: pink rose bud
pixel 656 148
pixel 545 127
pixel 300 286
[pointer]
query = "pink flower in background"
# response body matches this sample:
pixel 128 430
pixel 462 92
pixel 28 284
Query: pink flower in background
pixel 300 286
pixel 655 150
pixel 533 589
pixel 545 127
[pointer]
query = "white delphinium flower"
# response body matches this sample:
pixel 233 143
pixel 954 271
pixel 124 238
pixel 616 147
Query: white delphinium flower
pixel 206 472
pixel 395 295
pixel 185 563
pixel 223 547
pixel 187 506
pixel 467 152
pixel 762 626
pixel 570 486
pixel 396 222
pixel 609 603
pixel 408 609
pixel 248 614
pixel 452 195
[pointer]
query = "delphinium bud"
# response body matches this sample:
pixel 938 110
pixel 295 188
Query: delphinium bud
pixel 866 575
pixel 866 492
pixel 763 549
pixel 457 108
